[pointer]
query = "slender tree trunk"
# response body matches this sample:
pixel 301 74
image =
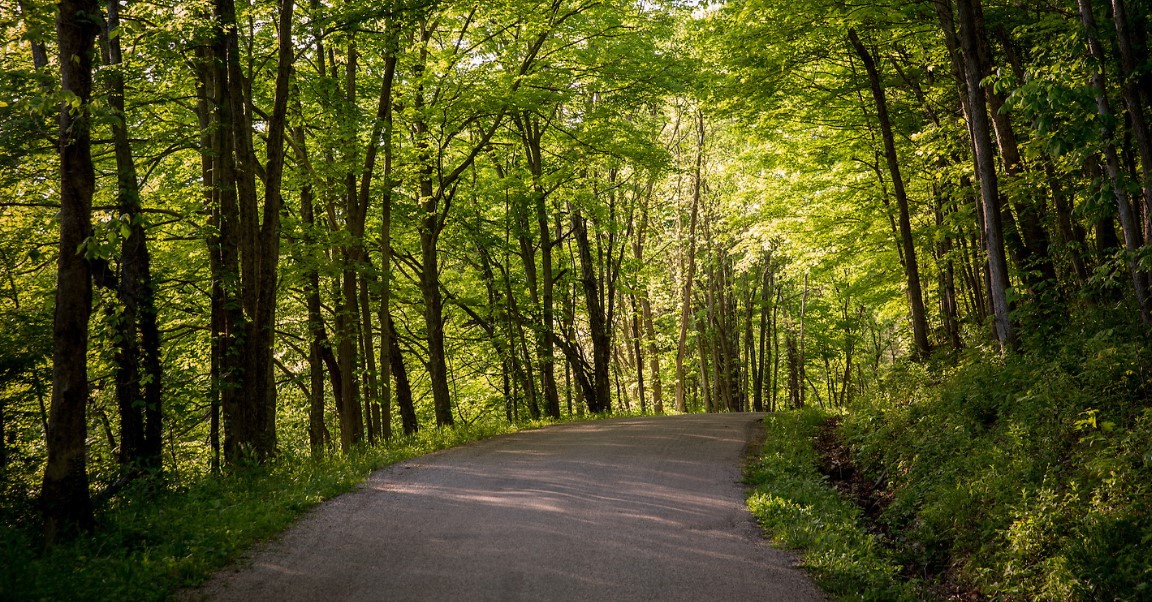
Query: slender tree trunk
pixel 404 402
pixel 774 388
pixel 318 338
pixel 761 363
pixel 206 90
pixel 911 265
pixel 969 37
pixel 384 126
pixel 646 310
pixel 368 352
pixel 351 415
pixel 601 400
pixel 638 354
pixel 64 496
pixel 430 227
pixel 802 356
pixel 795 379
pixel 267 246
pixel 1130 65
pixel 139 373
pixel 531 134
pixel 1128 220
pixel 247 239
pixel 690 269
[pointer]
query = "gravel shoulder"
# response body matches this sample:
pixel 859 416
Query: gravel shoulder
pixel 621 509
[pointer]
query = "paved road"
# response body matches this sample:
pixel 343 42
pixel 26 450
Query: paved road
pixel 622 509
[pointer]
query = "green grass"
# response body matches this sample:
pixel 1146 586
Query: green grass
pixel 798 509
pixel 153 543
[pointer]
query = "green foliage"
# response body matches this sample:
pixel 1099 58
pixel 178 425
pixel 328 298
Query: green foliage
pixel 1027 475
pixel 798 509
pixel 153 541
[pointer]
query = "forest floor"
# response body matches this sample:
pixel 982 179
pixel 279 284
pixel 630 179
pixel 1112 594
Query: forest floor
pixel 872 497
pixel 622 509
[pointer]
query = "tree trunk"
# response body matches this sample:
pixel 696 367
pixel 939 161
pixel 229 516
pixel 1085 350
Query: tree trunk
pixel 247 239
pixel 1130 65
pixel 404 401
pixel 638 354
pixel 689 274
pixel 601 399
pixel 1128 220
pixel 318 338
pixel 368 352
pixel 138 369
pixel 795 379
pixel 206 91
pixel 39 50
pixel 911 265
pixel 969 12
pixel 64 496
pixel 266 248
pixel 386 123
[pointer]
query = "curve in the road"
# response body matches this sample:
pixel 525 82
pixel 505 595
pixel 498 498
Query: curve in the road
pixel 621 509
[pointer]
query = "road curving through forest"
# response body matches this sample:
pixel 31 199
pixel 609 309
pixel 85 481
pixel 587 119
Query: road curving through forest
pixel 620 509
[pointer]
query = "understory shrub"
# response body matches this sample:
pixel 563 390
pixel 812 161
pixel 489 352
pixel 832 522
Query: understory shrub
pixel 1028 476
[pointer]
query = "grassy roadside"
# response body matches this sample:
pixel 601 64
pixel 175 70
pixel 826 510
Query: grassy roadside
pixel 799 510
pixel 154 543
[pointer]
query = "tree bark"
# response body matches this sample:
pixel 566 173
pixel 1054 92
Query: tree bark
pixel 911 265
pixel 690 270
pixel 1134 101
pixel 385 308
pixel 404 402
pixel 1128 220
pixel 969 37
pixel 600 400
pixel 64 496
pixel 138 369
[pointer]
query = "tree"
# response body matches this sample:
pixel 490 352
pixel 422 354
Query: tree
pixel 64 493
pixel 911 265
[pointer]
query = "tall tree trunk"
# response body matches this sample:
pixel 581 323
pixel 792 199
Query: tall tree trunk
pixel 761 364
pixel 1130 75
pixel 248 239
pixel 970 33
pixel 64 495
pixel 531 134
pixel 206 93
pixel 266 247
pixel 601 399
pixel 404 402
pixel 795 379
pixel 138 371
pixel 385 308
pixel 1128 220
pixel 911 265
pixel 368 352
pixel 689 273
pixel 638 353
pixel 646 308
pixel 774 387
pixel 351 413
pixel 949 309
pixel 318 338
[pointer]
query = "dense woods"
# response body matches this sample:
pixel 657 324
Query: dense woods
pixel 240 232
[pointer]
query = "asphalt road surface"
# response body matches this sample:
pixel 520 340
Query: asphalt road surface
pixel 612 510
